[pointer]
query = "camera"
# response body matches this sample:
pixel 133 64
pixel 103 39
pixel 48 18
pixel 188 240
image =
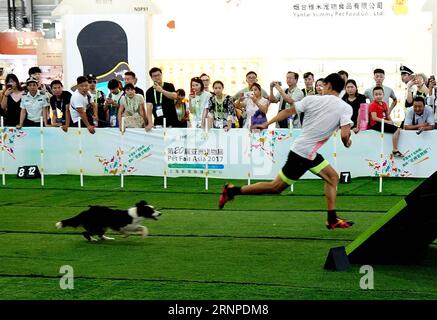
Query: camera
pixel 279 83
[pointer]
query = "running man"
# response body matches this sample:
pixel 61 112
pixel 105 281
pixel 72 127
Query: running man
pixel 323 116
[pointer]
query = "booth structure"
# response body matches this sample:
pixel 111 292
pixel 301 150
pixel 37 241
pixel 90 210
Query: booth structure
pixel 105 40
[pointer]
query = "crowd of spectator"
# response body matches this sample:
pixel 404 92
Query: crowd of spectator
pixel 127 106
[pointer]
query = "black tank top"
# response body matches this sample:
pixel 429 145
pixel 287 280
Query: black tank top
pixel 12 117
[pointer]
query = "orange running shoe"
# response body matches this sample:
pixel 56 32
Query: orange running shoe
pixel 339 223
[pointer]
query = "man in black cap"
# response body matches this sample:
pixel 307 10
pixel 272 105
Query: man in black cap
pixel 407 76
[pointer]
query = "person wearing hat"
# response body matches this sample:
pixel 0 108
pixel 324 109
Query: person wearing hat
pixel 80 106
pixel 35 73
pixel 98 102
pixel 33 105
pixel 407 76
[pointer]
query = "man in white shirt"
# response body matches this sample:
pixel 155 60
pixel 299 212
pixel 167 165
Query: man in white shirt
pixel 80 106
pixel 323 116
pixel 34 105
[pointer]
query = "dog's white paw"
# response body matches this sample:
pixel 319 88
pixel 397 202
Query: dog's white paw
pixel 59 225
pixel 92 239
pixel 144 232
pixel 106 238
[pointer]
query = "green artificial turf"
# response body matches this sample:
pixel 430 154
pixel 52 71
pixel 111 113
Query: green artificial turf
pixel 258 247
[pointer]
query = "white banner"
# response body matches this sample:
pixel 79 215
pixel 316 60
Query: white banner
pixel 236 154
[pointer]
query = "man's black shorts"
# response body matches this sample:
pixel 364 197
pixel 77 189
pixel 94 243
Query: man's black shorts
pixel 296 166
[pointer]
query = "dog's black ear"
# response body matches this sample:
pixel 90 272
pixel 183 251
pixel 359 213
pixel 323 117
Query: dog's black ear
pixel 141 203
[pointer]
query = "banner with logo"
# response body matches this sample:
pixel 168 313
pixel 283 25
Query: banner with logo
pixel 236 154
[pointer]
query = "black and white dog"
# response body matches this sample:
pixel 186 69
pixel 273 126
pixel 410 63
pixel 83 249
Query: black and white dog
pixel 97 219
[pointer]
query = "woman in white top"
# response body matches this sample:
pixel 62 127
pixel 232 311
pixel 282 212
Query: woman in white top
pixel 198 103
pixel 251 103
pixel 131 108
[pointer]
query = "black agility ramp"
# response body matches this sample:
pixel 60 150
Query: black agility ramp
pixel 402 235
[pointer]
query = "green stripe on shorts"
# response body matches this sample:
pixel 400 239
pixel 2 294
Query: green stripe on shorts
pixel 285 179
pixel 320 167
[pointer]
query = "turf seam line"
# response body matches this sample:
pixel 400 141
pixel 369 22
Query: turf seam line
pixel 212 282
pixel 188 236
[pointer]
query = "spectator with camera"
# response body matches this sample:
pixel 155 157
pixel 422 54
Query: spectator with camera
pixel 160 101
pixel 112 102
pixel 221 111
pixel 132 108
pixel 420 117
pixel 60 106
pixel 10 99
pixel 254 105
pixel 417 88
pixel 287 97
pixel 80 106
pixel 251 78
pixel 34 105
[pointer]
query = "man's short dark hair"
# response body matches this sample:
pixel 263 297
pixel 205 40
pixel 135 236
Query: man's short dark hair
pixel 81 79
pixel 419 99
pixel 113 84
pixel 34 70
pixel 308 74
pixel 336 82
pixel 343 73
pixel 153 70
pixel 296 75
pixel 130 73
pixel 251 72
pixel 377 88
pixel 55 82
pixel 378 71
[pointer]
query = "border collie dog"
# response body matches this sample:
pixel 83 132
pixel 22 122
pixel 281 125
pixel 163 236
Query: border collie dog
pixel 97 219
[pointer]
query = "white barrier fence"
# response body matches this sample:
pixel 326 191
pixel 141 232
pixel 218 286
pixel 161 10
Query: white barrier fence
pixel 213 153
